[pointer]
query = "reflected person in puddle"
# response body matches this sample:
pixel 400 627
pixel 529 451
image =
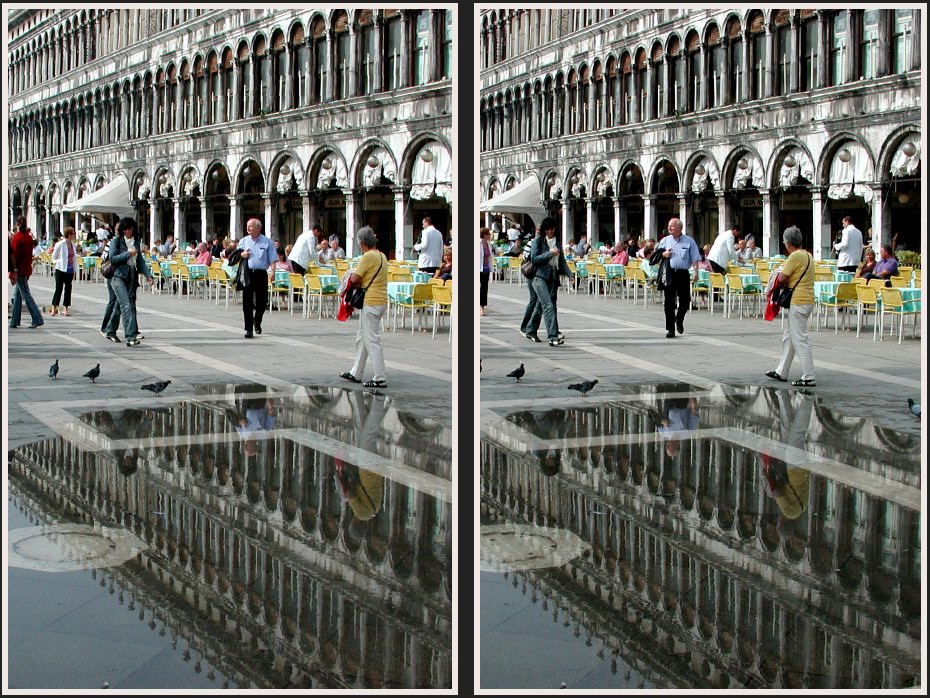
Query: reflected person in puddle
pixel 680 416
pixel 360 488
pixel 253 417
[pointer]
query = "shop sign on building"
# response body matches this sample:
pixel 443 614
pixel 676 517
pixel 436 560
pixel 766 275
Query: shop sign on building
pixel 378 202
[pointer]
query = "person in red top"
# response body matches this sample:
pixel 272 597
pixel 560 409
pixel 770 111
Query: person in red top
pixel 22 244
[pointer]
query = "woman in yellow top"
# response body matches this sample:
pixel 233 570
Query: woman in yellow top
pixel 371 274
pixel 797 273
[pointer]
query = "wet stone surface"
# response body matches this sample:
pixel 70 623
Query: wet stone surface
pixel 259 538
pixel 739 537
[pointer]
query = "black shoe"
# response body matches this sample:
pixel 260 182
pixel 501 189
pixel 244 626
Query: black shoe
pixel 532 336
pixel 113 338
pixel 349 377
pixel 680 326
pixel 670 335
pixel 556 342
pixel 133 343
pixel 258 329
pixel 775 375
pixel 248 335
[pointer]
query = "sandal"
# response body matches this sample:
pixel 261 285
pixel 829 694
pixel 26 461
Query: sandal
pixel 804 383
pixel 375 384
pixel 349 377
pixel 776 376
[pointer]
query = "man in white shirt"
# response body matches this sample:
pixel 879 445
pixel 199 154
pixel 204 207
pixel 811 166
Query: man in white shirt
pixel 513 233
pixel 724 250
pixel 103 232
pixel 430 248
pixel 303 252
pixel 849 248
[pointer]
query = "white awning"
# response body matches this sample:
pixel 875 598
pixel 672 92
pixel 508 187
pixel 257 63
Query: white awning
pixel 523 198
pixel 112 198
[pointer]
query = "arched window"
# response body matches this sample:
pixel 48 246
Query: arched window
pixel 186 97
pixel 367 52
pixel 172 107
pixel 901 33
pixel 626 89
pixel 277 61
pixel 214 89
pixel 660 93
pixel 584 88
pixel 341 67
pixel 784 52
pixel 597 118
pixel 318 43
pixel 243 96
pixel 393 45
pixel 757 56
pixel 695 82
pixel 572 102
pixel 446 55
pixel 261 74
pixel 639 82
pixel 869 46
pixel 611 93
pixel 810 39
pixel 201 96
pixel 676 74
pixel 717 54
pixel 421 47
pixel 839 29
pixel 226 81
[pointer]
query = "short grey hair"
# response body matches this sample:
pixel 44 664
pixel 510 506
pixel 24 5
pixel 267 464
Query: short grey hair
pixel 366 236
pixel 792 236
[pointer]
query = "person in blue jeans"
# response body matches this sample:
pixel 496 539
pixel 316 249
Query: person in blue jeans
pixel 546 255
pixel 124 255
pixel 21 246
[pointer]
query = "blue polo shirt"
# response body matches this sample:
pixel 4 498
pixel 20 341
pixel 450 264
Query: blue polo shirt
pixel 262 252
pixel 685 251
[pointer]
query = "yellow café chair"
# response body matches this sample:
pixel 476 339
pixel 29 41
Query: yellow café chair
pixel 420 299
pixel 866 302
pixel 315 289
pixel 893 304
pixel 442 305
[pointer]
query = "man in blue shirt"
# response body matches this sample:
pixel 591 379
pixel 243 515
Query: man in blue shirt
pixel 259 253
pixel 683 254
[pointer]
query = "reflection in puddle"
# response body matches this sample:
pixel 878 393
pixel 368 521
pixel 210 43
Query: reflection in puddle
pixel 756 537
pixel 310 529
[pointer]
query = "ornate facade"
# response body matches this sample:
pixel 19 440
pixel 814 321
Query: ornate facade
pixel 760 117
pixel 217 116
pixel 689 552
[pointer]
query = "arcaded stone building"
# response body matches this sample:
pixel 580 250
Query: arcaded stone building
pixel 294 116
pixel 763 117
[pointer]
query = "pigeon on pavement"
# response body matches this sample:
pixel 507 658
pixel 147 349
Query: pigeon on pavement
pixel 93 373
pixel 53 371
pixel 914 407
pixel 583 387
pixel 517 373
pixel 157 386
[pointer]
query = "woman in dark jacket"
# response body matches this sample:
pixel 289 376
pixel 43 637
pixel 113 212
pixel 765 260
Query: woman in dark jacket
pixel 546 255
pixel 129 263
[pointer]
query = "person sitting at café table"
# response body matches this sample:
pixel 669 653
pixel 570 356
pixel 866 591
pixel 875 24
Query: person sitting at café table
pixel 203 254
pixel 445 268
pixel 582 248
pixel 283 263
pixel 868 264
pixel 338 251
pixel 645 252
pixel 515 249
pixel 620 255
pixel 326 254
pixel 749 252
pixel 886 267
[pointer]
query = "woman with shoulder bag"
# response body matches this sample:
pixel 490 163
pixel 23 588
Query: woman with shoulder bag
pixel 546 255
pixel 797 274
pixel 124 255
pixel 64 257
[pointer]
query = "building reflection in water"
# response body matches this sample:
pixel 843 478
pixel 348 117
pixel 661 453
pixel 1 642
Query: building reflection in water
pixel 744 567
pixel 263 554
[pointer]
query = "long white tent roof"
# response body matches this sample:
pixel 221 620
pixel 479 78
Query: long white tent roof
pixel 523 198
pixel 110 198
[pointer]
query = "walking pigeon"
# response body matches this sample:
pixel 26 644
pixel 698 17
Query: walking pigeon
pixel 157 387
pixel 583 387
pixel 93 373
pixel 517 373
pixel 53 371
pixel 914 407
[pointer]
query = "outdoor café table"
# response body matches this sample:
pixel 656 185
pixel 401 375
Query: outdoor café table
pixel 750 279
pixel 615 271
pixel 88 264
pixel 912 299
pixel 198 271
pixel 843 276
pixel 400 291
pixel 421 277
pixel 329 282
pixel 825 291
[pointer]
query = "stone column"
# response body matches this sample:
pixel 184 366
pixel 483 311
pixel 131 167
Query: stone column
pixel 770 234
pixel 353 216
pixel 204 219
pixel 796 58
pixel 684 213
pixel 289 97
pixel 154 221
pixel 881 234
pixel 376 77
pixel 270 223
pixel 747 66
pixel 852 46
pixel 649 217
pixel 405 55
pixel 700 96
pixel 723 212
pixel 914 48
pixel 305 210
pixel 821 230
pixel 589 219
pixel 634 95
pixel 236 88
pixel 649 89
pixel 619 222
pixel 235 225
pixel 770 62
pixel 566 220
pixel 177 219
pixel 352 77
pixel 823 60
pixel 403 233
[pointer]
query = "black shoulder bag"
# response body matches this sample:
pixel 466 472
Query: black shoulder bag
pixel 782 294
pixel 355 296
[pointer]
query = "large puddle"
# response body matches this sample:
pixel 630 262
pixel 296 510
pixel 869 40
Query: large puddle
pixel 244 537
pixel 675 537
